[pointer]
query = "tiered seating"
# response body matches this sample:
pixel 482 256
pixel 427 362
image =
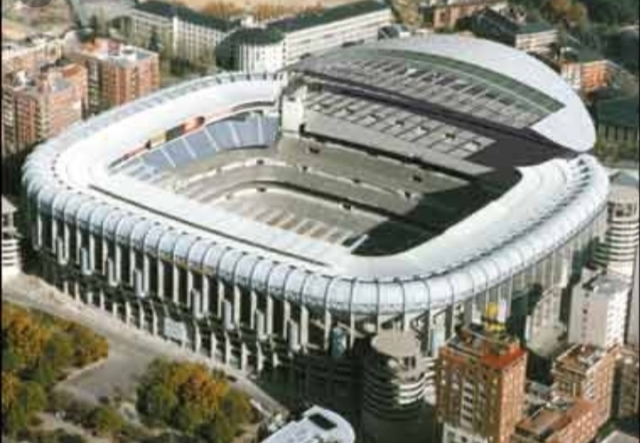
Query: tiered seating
pixel 237 133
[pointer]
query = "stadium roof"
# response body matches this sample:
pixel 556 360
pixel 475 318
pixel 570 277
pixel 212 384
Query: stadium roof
pixel 513 73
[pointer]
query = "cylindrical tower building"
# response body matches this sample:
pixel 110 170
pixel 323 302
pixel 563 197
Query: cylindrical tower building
pixel 258 50
pixel 395 379
pixel 617 250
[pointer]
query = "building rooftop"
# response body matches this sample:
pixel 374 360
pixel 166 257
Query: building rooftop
pixel 494 349
pixel 316 425
pixel 257 36
pixel 7 206
pixel 328 15
pixel 115 51
pixel 396 344
pixel 170 10
pixel 545 422
pixel 620 437
pixel 624 188
pixel 580 358
pixel 621 112
pixel 607 285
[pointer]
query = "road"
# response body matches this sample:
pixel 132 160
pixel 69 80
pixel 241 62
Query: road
pixel 130 349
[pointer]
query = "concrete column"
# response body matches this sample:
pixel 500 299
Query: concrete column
pixel 220 298
pixel 253 307
pixel 127 312
pixel 114 308
pixel 304 325
pixel 244 357
pixel 269 316
pixel 227 349
pixel 92 252
pixel 286 316
pixel 197 338
pixel 214 345
pixel 117 262
pixel 259 359
pixel 205 294
pixel 176 293
pixel 141 316
pixel 101 298
pixel 189 288
pixel 352 329
pixel 160 273
pixel 327 328
pixel 146 274
pixel 132 265
pixel 154 322
pixel 237 305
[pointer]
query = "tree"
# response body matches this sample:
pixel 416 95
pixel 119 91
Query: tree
pixel 220 430
pixel 105 420
pixel 89 347
pixel 22 337
pixel 157 402
pixel 236 407
pixel 577 14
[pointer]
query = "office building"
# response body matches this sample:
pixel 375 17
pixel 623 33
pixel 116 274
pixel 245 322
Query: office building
pixel 117 73
pixel 584 69
pixel 275 221
pixel 599 311
pixel 480 385
pixel 587 371
pixel 35 108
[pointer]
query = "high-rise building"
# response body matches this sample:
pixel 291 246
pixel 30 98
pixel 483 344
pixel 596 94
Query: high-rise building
pixel 117 73
pixel 627 388
pixel 35 108
pixel 599 312
pixel 617 251
pixel 480 385
pixel 587 371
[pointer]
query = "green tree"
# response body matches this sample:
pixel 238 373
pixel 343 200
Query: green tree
pixel 157 402
pixel 220 430
pixel 236 407
pixel 105 420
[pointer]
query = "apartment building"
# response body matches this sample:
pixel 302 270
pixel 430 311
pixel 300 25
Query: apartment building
pixel 584 69
pixel 30 54
pixel 35 108
pixel 514 29
pixel 561 419
pixel 195 36
pixel 617 120
pixel 480 385
pixel 599 312
pixel 587 371
pixel 117 73
pixel 444 14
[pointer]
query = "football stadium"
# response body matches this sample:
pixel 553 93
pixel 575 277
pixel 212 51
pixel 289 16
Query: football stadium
pixel 275 222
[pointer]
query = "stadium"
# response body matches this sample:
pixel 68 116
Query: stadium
pixel 275 221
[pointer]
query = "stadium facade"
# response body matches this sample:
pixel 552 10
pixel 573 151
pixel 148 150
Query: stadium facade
pixel 279 222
